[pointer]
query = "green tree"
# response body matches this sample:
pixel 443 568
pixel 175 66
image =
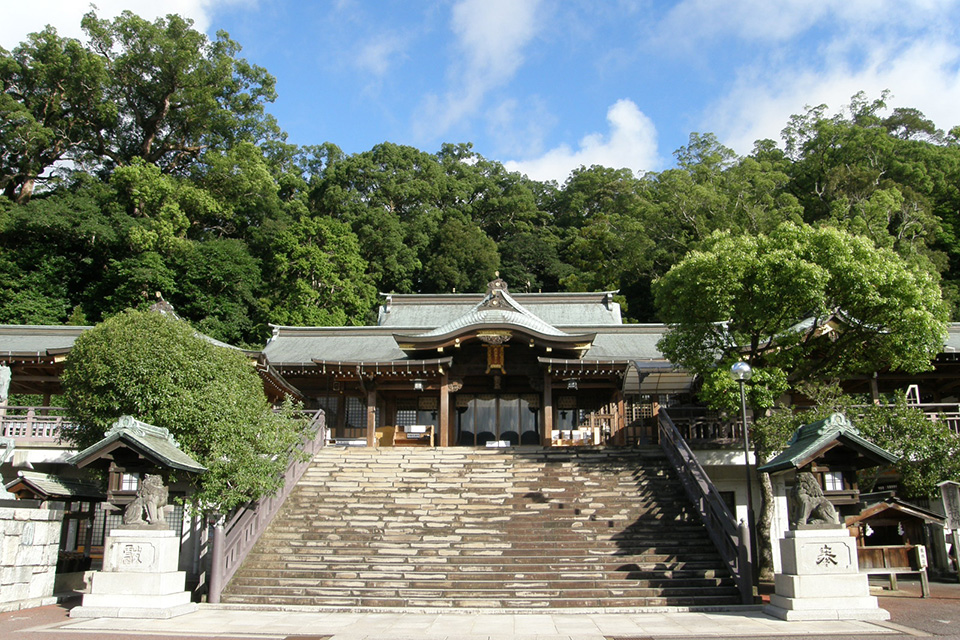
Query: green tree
pixel 928 451
pixel 159 370
pixel 178 94
pixel 464 258
pixel 54 252
pixel 315 275
pixel 801 304
pixel 53 102
pixel 393 199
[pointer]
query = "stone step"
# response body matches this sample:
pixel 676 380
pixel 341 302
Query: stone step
pixel 501 591
pixel 537 574
pixel 478 601
pixel 449 563
pixel 253 584
pixel 526 528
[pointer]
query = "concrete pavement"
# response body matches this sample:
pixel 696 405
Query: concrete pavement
pixel 213 621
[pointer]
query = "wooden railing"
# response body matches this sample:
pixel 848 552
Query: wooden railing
pixel 705 426
pixel 730 539
pixel 235 537
pixel 32 425
pixel 949 414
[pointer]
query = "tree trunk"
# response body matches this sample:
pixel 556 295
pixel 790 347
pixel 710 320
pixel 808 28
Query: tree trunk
pixel 764 563
pixel 26 191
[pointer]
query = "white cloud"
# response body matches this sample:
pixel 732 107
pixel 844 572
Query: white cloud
pixel 631 143
pixel 693 20
pixel 518 128
pixel 378 55
pixel 924 75
pixel 690 22
pixel 491 36
pixel 23 18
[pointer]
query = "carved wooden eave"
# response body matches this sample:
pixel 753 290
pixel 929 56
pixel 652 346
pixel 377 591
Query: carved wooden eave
pixel 275 386
pixel 582 367
pixel 398 369
pixel 485 332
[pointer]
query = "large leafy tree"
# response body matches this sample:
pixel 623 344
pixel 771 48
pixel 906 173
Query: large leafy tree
pixel 178 93
pixel 891 178
pixel 393 198
pixel 159 370
pixel 316 275
pixel 800 304
pixel 771 298
pixel 53 103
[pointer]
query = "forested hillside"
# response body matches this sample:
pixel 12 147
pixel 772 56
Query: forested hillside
pixel 144 160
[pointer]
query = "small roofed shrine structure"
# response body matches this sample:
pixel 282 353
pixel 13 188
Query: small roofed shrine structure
pixel 492 369
pixel 130 451
pixel 893 537
pixel 829 452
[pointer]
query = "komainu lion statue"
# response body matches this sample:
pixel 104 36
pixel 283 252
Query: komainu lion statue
pixel 808 505
pixel 151 499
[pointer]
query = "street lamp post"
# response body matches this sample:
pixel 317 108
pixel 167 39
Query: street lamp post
pixel 741 373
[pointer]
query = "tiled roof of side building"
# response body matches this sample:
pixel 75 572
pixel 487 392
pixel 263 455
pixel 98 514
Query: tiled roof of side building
pixel 37 339
pixel 303 345
pixel 952 344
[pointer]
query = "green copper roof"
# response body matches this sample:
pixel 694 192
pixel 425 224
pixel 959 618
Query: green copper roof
pixel 152 442
pixel 812 440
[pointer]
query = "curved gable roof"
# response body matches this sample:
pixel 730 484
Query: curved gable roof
pixel 497 311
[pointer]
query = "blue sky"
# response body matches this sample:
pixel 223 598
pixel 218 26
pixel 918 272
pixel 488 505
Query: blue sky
pixel 545 86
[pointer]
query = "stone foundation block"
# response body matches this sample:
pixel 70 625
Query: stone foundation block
pixel 840 586
pixel 138 584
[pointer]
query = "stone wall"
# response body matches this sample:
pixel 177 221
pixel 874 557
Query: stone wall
pixel 29 541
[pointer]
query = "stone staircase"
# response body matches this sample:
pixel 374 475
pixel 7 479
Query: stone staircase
pixel 485 528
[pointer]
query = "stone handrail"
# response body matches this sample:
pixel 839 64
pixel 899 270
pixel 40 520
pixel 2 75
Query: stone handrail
pixel 729 538
pixel 244 527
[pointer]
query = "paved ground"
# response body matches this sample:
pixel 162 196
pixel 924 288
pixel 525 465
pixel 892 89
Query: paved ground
pixel 937 616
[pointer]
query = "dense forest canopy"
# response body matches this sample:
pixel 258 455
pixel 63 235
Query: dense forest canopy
pixel 144 160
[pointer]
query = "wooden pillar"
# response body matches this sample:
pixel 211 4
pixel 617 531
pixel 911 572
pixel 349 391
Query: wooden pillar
pixel 341 417
pixel 443 412
pixel 547 408
pixel 619 419
pixel 371 418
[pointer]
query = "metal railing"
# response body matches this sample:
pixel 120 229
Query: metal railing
pixel 730 539
pixel 243 528
pixel 33 425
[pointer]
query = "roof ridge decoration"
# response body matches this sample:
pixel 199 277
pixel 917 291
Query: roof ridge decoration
pixel 495 320
pixel 498 298
pixel 151 442
pixel 835 422
pixel 815 438
pixel 130 424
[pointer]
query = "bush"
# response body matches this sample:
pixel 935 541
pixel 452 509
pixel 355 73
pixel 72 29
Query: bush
pixel 159 370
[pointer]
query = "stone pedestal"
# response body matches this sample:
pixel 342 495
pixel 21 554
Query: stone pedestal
pixel 821 579
pixel 139 578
